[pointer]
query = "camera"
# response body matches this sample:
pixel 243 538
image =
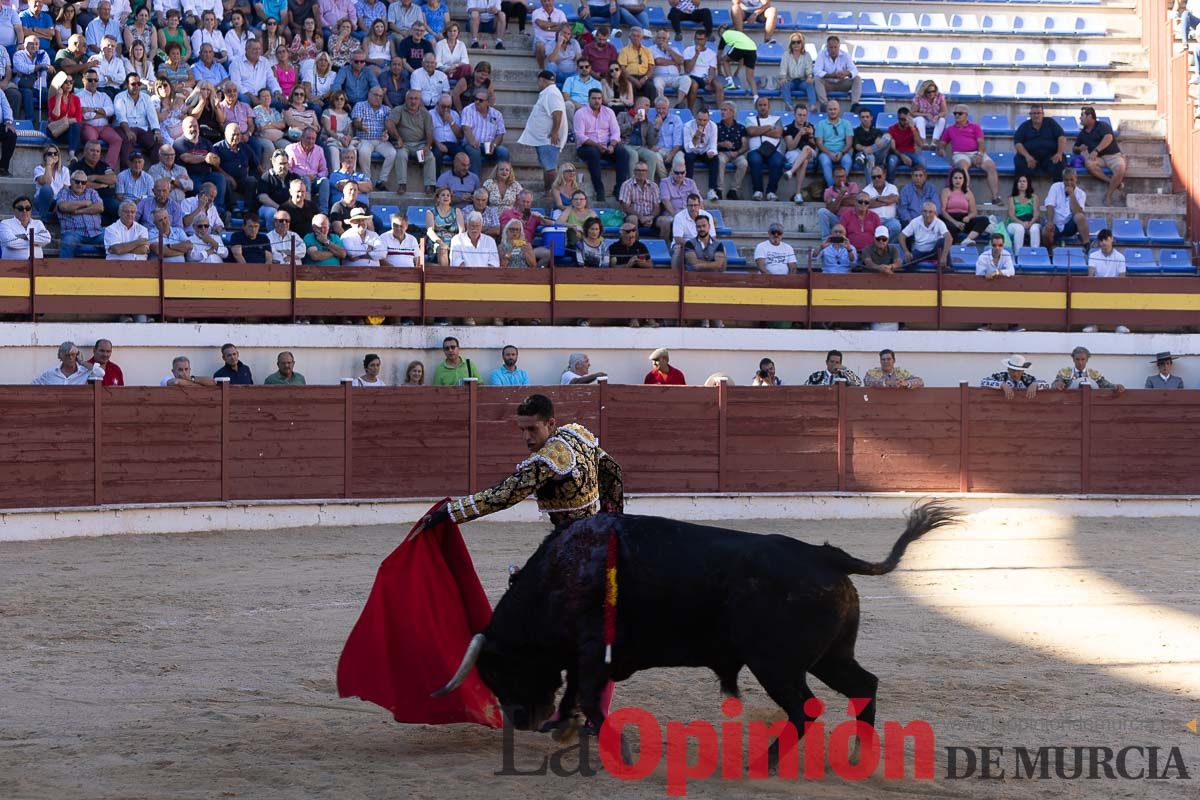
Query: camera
pixel 763 375
pixel 837 239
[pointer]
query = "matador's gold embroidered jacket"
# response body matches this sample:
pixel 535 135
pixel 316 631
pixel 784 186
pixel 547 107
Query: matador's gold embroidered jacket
pixel 573 477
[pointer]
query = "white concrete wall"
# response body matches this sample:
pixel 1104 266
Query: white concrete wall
pixel 325 354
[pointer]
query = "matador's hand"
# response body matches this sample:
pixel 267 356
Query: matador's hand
pixel 435 518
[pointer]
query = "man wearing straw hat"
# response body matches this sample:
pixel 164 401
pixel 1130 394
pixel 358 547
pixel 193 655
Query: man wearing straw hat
pixel 1014 376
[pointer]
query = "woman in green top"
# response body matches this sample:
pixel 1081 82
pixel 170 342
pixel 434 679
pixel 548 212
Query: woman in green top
pixel 575 215
pixel 1022 214
pixel 515 251
pixel 171 32
pixel 737 47
pixel 442 223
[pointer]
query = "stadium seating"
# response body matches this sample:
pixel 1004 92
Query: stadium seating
pixel 1163 231
pixel 1128 231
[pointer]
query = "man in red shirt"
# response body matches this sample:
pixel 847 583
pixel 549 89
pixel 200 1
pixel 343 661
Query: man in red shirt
pixel 661 372
pixel 599 53
pixel 101 354
pixel 860 223
pixel 906 144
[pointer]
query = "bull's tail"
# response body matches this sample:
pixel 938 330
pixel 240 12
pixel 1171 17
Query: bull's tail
pixel 921 520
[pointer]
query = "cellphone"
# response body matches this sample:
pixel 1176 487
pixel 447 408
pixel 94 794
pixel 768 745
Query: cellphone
pixel 837 239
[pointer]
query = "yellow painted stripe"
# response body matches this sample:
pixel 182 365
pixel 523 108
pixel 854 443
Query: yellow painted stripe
pixel 616 293
pixel 744 296
pixel 84 285
pixel 964 298
pixel 491 292
pixel 910 298
pixel 357 290
pixel 14 287
pixel 227 290
pixel 1103 301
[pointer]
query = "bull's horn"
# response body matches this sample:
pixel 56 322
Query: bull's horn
pixel 464 669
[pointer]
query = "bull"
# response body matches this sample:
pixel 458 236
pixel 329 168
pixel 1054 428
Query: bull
pixel 689 596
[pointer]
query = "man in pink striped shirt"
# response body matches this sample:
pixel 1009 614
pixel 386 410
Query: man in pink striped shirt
pixel 308 161
pixel 599 136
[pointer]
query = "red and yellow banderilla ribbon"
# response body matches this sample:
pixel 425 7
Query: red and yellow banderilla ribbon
pixel 610 597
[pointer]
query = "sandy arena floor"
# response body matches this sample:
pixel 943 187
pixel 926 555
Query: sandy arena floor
pixel 202 666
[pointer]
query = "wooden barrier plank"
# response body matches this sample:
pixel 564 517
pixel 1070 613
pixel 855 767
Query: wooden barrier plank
pixel 162 490
pixel 286 487
pixel 1034 300
pixel 357 291
pixel 616 293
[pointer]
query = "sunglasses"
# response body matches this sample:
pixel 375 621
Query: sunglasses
pixel 863 202
pixel 51 152
pixel 91 80
pixel 23 208
pixel 74 180
pixel 673 172
pixel 282 219
pixel 960 113
pixel 628 230
pixel 881 238
pixel 198 226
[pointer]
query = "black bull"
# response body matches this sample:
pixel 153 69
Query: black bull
pixel 688 596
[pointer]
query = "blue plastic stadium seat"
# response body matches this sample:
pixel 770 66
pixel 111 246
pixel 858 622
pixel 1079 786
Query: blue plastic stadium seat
pixel 808 20
pixel 1176 262
pixel 1140 256
pixel 770 53
pixel 416 215
pixel 840 21
pixel 933 23
pixel 996 125
pixel 658 16
pixel 1033 258
pixel 1072 256
pixel 1129 231
pixel 721 17
pixel 569 10
pixel 1070 125
pixel 964 255
pixel 732 258
pixel 872 21
pixel 783 21
pixel 895 89
pixel 1096 224
pixel 903 22
pixel 1163 231
pixel 719 220
pixel 659 253
pixel 1004 163
pixel 870 89
pixel 885 120
pixel 28 134
pixel 383 217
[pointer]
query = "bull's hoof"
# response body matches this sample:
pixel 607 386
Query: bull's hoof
pixel 565 731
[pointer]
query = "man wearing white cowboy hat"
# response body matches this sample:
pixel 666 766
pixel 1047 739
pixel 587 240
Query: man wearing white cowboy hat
pixel 363 248
pixel 1014 376
pixel 1163 379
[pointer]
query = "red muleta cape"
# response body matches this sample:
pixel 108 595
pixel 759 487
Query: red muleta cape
pixel 426 604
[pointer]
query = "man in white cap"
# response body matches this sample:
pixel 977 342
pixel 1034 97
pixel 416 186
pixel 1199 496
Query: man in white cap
pixel 1014 376
pixel 1079 375
pixel 1163 379
pixel 881 255
pixel 661 372
pixel 775 256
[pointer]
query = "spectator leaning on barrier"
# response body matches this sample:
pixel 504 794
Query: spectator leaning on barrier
pixel 181 374
pixel 661 372
pixel 1014 376
pixel 835 255
pixel 363 247
pixel 370 377
pixel 455 368
pixel 324 249
pixel 881 255
pixel 69 372
pixel 207 247
pixel 833 373
pixel 126 239
pixel 765 376
pixel 775 256
pixel 102 357
pixel 996 261
pixel 508 374
pixel 578 365
pixel 1079 375
pixel 249 246
pixel 79 210
pixel 887 374
pixel 237 372
pixel 286 246
pixel 167 241
pixel 472 247
pixel 286 374
pixel 17 231
pixel 1163 379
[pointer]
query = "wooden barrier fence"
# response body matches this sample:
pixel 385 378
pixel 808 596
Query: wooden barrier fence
pixel 79 446
pixel 88 287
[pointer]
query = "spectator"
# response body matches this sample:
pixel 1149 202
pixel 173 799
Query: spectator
pixel 882 256
pixel 343 48
pixel 401 247
pixel 394 82
pixel 324 249
pixel 97 111
pixel 766 374
pixel 546 129
pixel 490 214
pixel 167 168
pixel 632 13
pixel 274 187
pixel 959 210
pixel 799 138
pixel 65 118
pixel 248 246
pixel 736 50
pixel 300 209
pixel 701 143
pixel 455 368
pixel 522 210
pixel 1163 379
pixel 181 374
pixel 356 81
pixel 49 178
pixel 639 198
pixel 1014 376
pixel 661 372
pixel 833 373
pixel 968 149
pixel 207 34
pixel 167 241
pixel 835 255
pixel 766 134
pixel 31 66
pixel 134 183
pixel 598 136
pixel 508 374
pixel 414 374
pixel 371 120
pixel 206 248
pixel 1022 213
pixel 483 132
pixel 674 191
pixel 202 207
pixel 1041 146
pixel 835 141
pixel 683 224
pixel 102 357
pixel 239 164
pixel 1065 215
pixel 307 162
pixel 100 177
pixel 174 69
pixel 442 223
pixel 631 122
pixel 447 128
pixel 871 145
pixel 637 61
pixel 860 222
pixel 836 72
pixel 452 58
pixel 339 215
pixel 430 82
pixel 486 14
pixel 578 365
pixel 71 59
pixel 348 172
pixel 459 179
pixel 126 239
pixel 600 54
pixel 402 16
pixel 370 377
pixel 796 73
pixel 996 261
pixel 473 248
pixel 414 129
pixel 700 64
pixel 630 253
pixel 17 232
pixel 515 249
pixel 930 109
pixel 237 372
pixel 286 246
pixel 689 11
pixel 208 68
pixel 775 256
pixel 199 159
pixel 662 134
pixel 915 194
pixel 1106 262
pixel 363 247
pixel 885 198
pixel 907 144
pixel 887 374
pixel 69 372
pixel 840 196
pixel 591 250
pixel 1097 144
pixel 668 68
pixel 576 88
pixel 286 374
pixel 703 253
pixel 619 93
pixel 927 238
pixel 79 210
pixel 1079 375
pixel 254 73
